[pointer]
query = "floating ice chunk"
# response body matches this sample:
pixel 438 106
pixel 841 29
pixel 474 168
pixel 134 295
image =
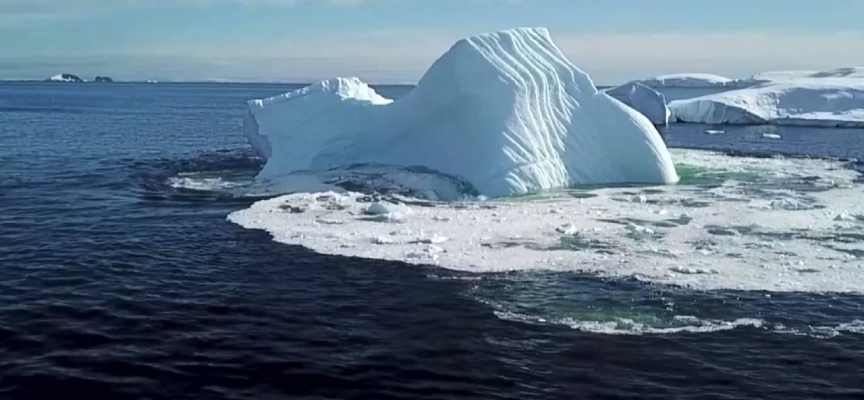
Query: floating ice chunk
pixel 567 229
pixel 714 132
pixel 640 231
pixel 805 270
pixel 434 249
pixel 505 112
pixel 846 217
pixel 433 239
pixel 694 271
pixel 638 199
pixel 383 240
pixel 393 217
pixel 771 136
pixel 329 221
pixel 428 253
pixel 383 207
pixel 787 204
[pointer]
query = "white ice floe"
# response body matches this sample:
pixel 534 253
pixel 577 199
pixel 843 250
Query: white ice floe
pixel 739 223
pixel 649 102
pixel 814 99
pixel 505 112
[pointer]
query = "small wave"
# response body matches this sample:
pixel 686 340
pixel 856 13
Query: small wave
pixel 687 325
pixel 626 326
pixel 204 184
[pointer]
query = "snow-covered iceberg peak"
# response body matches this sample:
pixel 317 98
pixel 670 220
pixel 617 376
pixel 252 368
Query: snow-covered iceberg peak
pixel 506 112
pixel 338 89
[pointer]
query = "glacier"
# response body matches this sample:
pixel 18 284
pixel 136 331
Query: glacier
pixel 649 102
pixel 791 99
pixel 506 112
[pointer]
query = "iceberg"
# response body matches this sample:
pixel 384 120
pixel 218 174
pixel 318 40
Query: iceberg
pixel 505 112
pixel 64 78
pixel 687 80
pixel 649 102
pixel 809 101
pixel 780 76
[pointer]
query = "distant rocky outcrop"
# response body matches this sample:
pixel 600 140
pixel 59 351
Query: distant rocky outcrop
pixel 64 78
pixel 103 79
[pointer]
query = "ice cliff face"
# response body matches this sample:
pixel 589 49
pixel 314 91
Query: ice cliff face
pixel 507 112
pixel 793 99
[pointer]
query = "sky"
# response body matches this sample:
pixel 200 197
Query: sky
pixel 395 41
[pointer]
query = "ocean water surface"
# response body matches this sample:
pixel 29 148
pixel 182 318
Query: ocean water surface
pixel 120 277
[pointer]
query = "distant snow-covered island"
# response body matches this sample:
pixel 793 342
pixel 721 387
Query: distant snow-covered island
pixel 806 98
pixel 64 78
pixel 67 78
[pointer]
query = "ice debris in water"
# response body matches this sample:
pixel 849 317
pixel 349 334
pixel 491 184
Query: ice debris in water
pixel 567 229
pixel 640 231
pixel 383 207
pixel 704 229
pixel 638 199
pixel 694 271
pixel 846 217
pixel 771 136
pixel 433 239
pixel 787 204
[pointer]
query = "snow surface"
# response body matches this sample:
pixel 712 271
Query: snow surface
pixel 506 112
pixel 831 102
pixel 649 102
pixel 771 224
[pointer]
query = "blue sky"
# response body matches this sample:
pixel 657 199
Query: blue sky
pixel 396 40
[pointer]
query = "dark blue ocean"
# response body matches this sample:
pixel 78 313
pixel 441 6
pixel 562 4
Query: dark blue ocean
pixel 116 284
